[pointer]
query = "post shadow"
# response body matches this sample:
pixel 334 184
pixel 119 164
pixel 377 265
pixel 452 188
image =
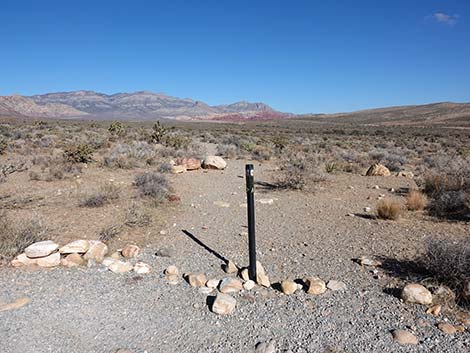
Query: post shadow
pixel 200 243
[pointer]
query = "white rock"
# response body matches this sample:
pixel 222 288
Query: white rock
pixel 108 261
pixel 416 293
pixel 79 246
pixel 315 285
pixel 23 260
pixel 404 337
pixel 142 268
pixel 230 285
pixel 288 287
pixel 221 204
pixel 266 201
pixel 336 285
pixel 120 266
pixel 41 249
pixel 212 283
pixel 223 304
pixel 130 250
pixel 96 251
pixel 249 285
pixel 49 261
pixel 214 162
pixel 366 261
pixel 205 290
pixel 266 347
pixel 230 267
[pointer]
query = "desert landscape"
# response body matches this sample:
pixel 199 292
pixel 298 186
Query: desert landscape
pixel 132 236
pixel 235 176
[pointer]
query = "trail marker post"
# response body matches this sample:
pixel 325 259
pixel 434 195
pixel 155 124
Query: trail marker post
pixel 250 198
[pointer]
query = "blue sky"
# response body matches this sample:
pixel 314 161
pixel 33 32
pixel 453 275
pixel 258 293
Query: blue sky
pixel 298 56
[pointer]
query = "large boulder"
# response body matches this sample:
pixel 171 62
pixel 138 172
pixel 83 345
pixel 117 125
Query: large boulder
pixel 378 169
pixel 41 249
pixel 416 293
pixel 214 162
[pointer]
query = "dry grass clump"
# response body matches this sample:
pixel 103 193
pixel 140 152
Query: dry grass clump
pixel 131 155
pixel 105 194
pixel 137 217
pixel 390 209
pixel 15 236
pixel 449 264
pixel 415 201
pixel 153 185
pixel 110 232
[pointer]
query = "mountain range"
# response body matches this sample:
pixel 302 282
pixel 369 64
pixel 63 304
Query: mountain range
pixel 143 105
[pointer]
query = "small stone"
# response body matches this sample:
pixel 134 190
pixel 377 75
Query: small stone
pixel 189 163
pixel 266 201
pixel 97 251
pixel 142 268
pixel 72 260
pixel 49 261
pixel 130 251
pixel 115 255
pixel 230 267
pixel 164 252
pixel 221 204
pixel 41 249
pixel 230 285
pixel 416 293
pixel 205 290
pixel 172 279
pixel 367 261
pixel 336 285
pixel 244 274
pixel 378 169
pixel 315 285
pixel 120 266
pixel 447 328
pixel 288 287
pixel 249 285
pixel 434 310
pixel 196 279
pixel 212 283
pixel 404 337
pixel 459 328
pixel 261 277
pixel 108 261
pixel 223 304
pixel 173 198
pixel 172 271
pixel 266 347
pixel 367 209
pixel 80 246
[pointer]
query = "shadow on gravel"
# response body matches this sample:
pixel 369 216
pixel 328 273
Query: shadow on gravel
pixel 200 243
pixel 266 186
pixel 403 269
pixel 365 215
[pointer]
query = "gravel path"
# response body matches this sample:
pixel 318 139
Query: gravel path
pixel 299 234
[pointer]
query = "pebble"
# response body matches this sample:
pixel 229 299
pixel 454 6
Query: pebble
pixel 130 251
pixel 142 268
pixel 315 285
pixel 196 279
pixel 416 293
pixel 447 328
pixel 404 337
pixel 288 287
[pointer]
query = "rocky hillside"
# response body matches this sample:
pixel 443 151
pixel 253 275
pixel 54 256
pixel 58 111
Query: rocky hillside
pixel 130 106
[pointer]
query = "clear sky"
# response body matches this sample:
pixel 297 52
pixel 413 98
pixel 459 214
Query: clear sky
pixel 298 56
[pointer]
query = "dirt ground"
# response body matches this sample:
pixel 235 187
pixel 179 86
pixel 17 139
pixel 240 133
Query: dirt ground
pixel 298 234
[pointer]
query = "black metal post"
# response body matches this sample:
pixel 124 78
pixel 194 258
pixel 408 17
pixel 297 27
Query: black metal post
pixel 250 198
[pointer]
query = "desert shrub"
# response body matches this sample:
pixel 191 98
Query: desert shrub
pixel 165 167
pixel 176 142
pixel 116 128
pixel 299 171
pixel 415 200
pixel 3 145
pixel 228 150
pixel 10 167
pixel 15 236
pixel 126 156
pixel 448 185
pixel 261 153
pixel 449 263
pixel 158 133
pixel 110 232
pixel 81 153
pixel 331 167
pixel 153 185
pixel 389 209
pixel 137 217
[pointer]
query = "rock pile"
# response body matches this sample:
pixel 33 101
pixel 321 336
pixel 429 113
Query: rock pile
pixel 378 169
pixel 79 253
pixel 182 165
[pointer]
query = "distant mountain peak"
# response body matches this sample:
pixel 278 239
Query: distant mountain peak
pixel 140 105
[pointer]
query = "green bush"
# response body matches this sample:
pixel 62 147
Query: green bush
pixel 81 153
